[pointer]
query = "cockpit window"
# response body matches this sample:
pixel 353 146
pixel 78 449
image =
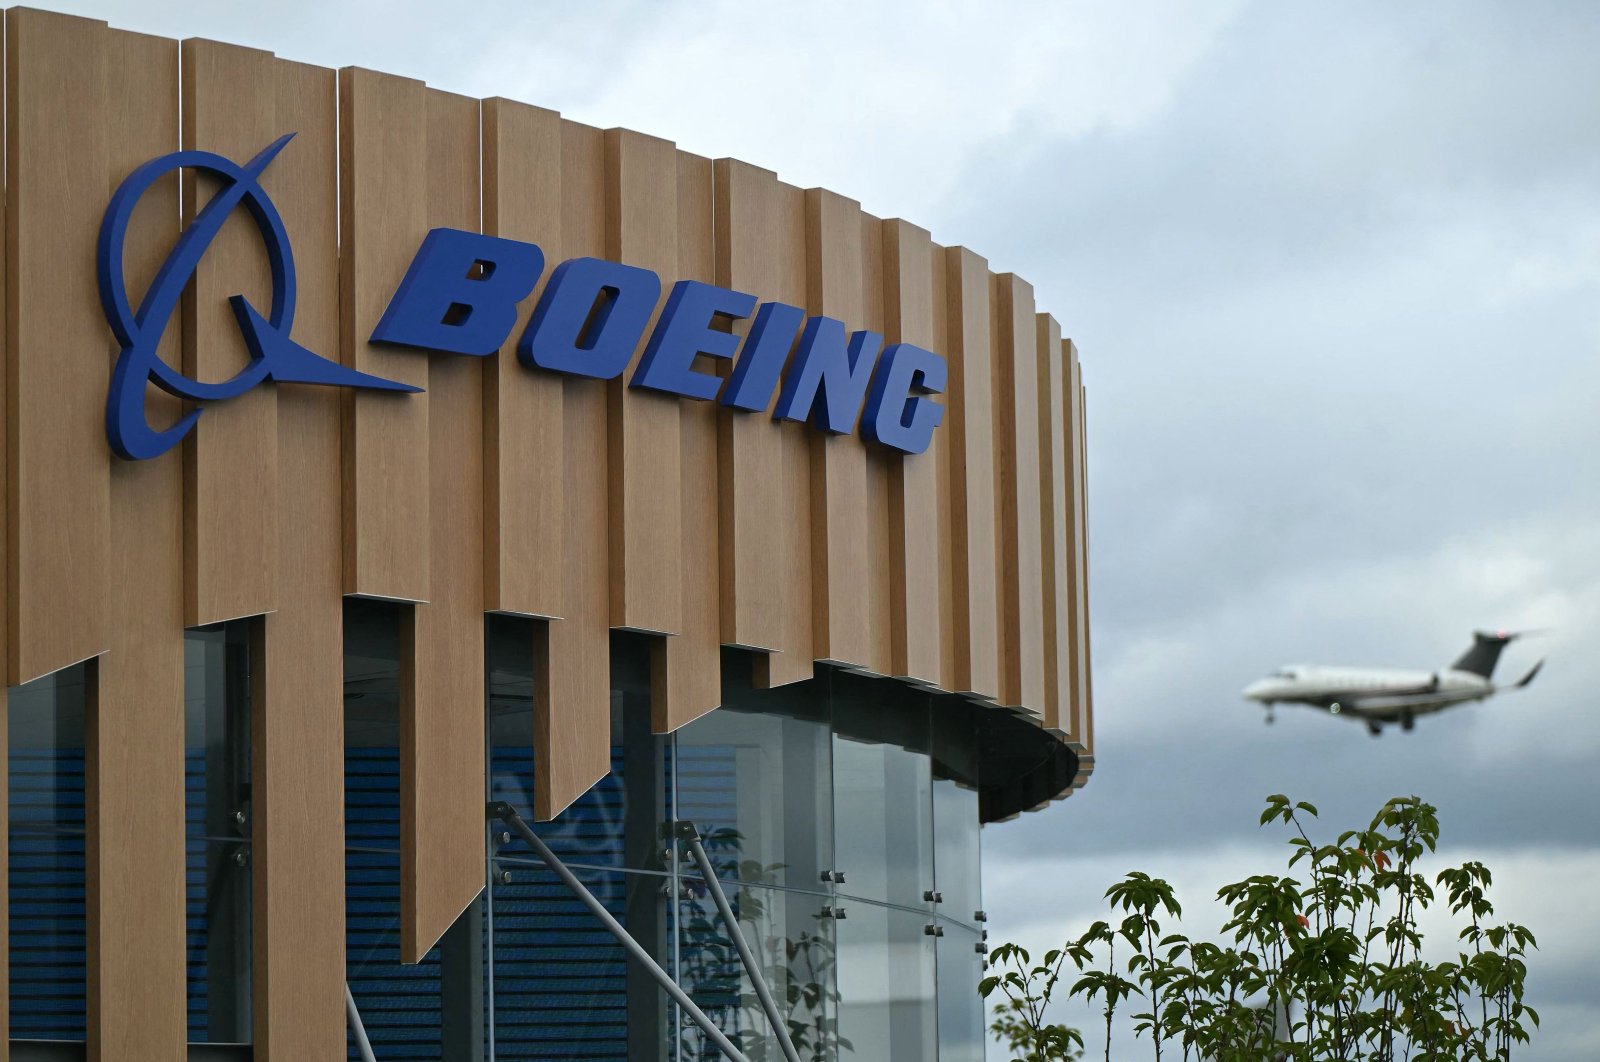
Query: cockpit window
pixel 1284 673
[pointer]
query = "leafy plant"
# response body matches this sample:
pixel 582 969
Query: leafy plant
pixel 798 969
pixel 1326 968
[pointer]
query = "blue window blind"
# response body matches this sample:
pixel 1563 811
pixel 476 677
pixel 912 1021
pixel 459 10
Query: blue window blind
pixel 47 894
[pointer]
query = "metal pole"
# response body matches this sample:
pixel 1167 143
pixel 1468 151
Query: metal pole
pixel 353 1016
pixel 508 814
pixel 780 1028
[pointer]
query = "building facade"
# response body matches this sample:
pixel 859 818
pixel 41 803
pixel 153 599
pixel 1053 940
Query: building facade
pixel 387 470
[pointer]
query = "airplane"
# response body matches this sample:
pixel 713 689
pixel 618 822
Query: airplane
pixel 1378 696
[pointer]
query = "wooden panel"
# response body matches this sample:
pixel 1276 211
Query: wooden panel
pixel 915 487
pixel 523 502
pixel 644 480
pixel 5 715
pixel 1085 640
pixel 59 502
pixel 1077 553
pixel 840 589
pixel 879 538
pixel 764 469
pixel 970 434
pixel 443 717
pixel 945 455
pixel 231 456
pixel 1016 471
pixel 297 726
pixel 5 894
pixel 1055 480
pixel 383 218
pixel 134 726
pixel 572 657
pixel 686 671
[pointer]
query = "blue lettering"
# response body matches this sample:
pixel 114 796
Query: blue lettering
pixel 460 295
pixel 898 413
pixel 766 348
pixel 826 368
pixel 590 318
pixel 685 332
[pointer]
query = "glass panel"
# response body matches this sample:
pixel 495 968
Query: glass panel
pixel 886 985
pixel 756 777
pixel 956 870
pixel 560 979
pixel 400 1005
pixel 794 943
pixel 561 985
pixel 961 1021
pixel 217 831
pixel 883 811
pixel 47 855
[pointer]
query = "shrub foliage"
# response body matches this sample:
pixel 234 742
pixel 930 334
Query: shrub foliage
pixel 1327 965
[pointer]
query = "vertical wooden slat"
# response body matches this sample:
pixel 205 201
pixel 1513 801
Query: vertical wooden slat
pixel 5 710
pixel 59 502
pixel 763 468
pixel 970 434
pixel 5 894
pixel 523 431
pixel 840 591
pixel 644 480
pixel 1085 642
pixel 1071 412
pixel 297 655
pixel 945 454
pixel 879 536
pixel 135 722
pixel 1020 619
pixel 1055 480
pixel 231 456
pixel 915 486
pixel 383 218
pixel 572 657
pixel 442 726
pixel 686 673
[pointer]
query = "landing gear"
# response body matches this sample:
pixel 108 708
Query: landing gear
pixel 1272 714
pixel 1375 729
pixel 1408 722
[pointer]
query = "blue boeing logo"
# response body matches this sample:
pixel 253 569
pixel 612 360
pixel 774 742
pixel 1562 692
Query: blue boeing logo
pixel 273 355
pixel 461 295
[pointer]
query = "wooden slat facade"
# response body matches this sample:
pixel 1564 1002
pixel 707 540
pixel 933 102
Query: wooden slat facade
pixel 588 505
pixel 297 734
pixel 230 469
pixel 442 712
pixel 134 726
pixel 918 494
pixel 383 216
pixel 841 586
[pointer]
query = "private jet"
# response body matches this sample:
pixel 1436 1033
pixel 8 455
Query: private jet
pixel 1377 696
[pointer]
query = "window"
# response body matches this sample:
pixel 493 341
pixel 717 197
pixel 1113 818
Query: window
pixel 47 882
pixel 217 830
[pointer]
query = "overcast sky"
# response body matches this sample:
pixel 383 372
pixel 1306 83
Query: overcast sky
pixel 1334 270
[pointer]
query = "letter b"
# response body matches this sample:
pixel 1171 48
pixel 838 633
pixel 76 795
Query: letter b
pixel 461 292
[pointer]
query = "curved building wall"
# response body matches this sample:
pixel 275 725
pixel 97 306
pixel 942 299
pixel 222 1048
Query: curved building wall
pixel 585 506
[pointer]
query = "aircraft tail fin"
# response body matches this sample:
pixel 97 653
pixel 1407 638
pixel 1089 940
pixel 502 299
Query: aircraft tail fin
pixel 1484 654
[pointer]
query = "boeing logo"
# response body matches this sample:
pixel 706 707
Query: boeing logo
pixel 273 355
pixel 461 295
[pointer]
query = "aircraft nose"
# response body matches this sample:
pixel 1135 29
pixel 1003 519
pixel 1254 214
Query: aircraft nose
pixel 1258 690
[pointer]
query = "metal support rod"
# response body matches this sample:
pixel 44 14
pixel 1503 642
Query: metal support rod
pixel 687 833
pixel 353 1016
pixel 505 812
